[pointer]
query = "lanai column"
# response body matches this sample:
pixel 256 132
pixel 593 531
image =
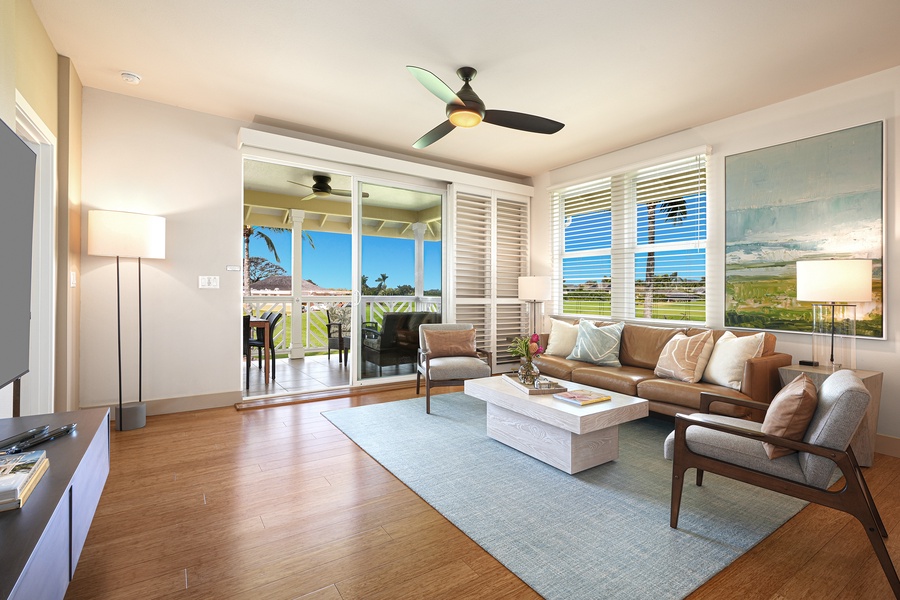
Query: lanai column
pixel 297 347
pixel 419 233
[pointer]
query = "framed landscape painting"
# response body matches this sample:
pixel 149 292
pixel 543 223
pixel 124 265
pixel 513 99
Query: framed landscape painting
pixel 816 198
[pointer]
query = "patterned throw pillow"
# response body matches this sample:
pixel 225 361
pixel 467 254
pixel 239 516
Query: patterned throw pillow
pixel 598 345
pixel 562 338
pixel 790 412
pixel 684 358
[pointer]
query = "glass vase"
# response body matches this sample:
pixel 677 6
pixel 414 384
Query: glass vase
pixel 528 373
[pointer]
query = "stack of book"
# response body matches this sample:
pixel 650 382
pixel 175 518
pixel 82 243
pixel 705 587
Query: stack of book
pixel 19 475
pixel 582 397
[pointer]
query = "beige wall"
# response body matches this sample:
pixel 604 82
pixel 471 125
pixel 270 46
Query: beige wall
pixel 36 66
pixel 8 61
pixel 852 103
pixel 140 156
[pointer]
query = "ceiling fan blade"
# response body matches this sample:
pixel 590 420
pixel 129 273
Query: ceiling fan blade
pixel 434 135
pixel 521 121
pixel 305 198
pixel 298 183
pixel 345 193
pixel 434 85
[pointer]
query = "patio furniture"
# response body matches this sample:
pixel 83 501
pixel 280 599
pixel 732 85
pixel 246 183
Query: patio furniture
pixel 397 340
pixel 260 344
pixel 247 351
pixel 736 448
pixel 450 358
pixel 338 328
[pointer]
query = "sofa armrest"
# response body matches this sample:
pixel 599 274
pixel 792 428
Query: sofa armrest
pixel 761 380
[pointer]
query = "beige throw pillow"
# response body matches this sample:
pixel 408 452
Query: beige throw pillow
pixel 562 338
pixel 730 353
pixel 790 413
pixel 684 358
pixel 453 342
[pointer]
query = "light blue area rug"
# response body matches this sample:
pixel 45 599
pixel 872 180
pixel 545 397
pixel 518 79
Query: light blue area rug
pixel 603 533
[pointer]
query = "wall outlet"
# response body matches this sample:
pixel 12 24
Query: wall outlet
pixel 209 282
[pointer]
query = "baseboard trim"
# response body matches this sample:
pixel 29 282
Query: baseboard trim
pixel 885 444
pixel 165 406
pixel 329 394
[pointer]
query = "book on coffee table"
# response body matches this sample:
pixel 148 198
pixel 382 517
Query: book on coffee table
pixel 582 397
pixel 19 474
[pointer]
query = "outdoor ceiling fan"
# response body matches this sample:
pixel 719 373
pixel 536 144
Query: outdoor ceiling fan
pixel 465 109
pixel 321 188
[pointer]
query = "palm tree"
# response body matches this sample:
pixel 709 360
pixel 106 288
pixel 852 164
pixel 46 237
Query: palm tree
pixel 381 281
pixel 675 211
pixel 257 232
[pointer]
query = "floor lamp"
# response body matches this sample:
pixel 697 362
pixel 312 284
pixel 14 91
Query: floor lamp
pixel 535 290
pixel 127 235
pixel 833 286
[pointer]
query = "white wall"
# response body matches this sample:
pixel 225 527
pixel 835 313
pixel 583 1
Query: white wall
pixel 852 103
pixel 141 156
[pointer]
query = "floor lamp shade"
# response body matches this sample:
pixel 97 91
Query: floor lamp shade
pixel 834 287
pixel 534 289
pixel 127 235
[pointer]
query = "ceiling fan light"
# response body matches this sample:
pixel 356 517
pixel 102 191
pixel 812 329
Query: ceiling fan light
pixel 321 193
pixel 465 118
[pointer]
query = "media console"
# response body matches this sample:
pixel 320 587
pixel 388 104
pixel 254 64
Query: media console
pixel 41 542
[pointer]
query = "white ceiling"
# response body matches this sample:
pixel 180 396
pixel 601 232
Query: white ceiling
pixel 615 72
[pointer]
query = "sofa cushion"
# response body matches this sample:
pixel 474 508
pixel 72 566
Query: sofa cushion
pixel 598 345
pixel 555 366
pixel 729 355
pixel 562 338
pixel 789 413
pixel 684 358
pixel 642 344
pixel 769 339
pixel 680 395
pixel 459 342
pixel 623 380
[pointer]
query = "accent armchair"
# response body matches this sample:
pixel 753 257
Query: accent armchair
pixel 448 356
pixel 735 448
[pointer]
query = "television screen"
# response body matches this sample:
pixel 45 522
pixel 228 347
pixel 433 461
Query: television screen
pixel 17 173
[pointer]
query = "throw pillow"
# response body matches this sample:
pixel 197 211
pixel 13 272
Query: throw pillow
pixel 726 364
pixel 450 342
pixel 684 358
pixel 598 345
pixel 789 413
pixel 562 338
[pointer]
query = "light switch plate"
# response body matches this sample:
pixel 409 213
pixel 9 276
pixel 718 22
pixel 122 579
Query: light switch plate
pixel 232 267
pixel 72 279
pixel 209 282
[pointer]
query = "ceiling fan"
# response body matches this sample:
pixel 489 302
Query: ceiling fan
pixel 321 188
pixel 465 109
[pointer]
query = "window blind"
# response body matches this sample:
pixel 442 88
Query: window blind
pixel 633 244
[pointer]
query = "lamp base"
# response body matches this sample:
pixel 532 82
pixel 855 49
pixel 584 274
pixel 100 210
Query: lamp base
pixel 133 416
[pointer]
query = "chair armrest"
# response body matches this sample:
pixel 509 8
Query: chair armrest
pixel 369 333
pixel 485 355
pixel 707 398
pixel 682 422
pixel 331 326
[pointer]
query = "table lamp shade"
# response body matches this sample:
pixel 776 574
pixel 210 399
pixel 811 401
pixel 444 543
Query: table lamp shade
pixel 129 235
pixel 534 288
pixel 842 280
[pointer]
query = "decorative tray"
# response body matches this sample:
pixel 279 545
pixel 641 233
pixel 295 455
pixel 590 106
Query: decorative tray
pixel 514 381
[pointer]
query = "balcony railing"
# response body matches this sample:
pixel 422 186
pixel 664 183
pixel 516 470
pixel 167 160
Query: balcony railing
pixel 314 316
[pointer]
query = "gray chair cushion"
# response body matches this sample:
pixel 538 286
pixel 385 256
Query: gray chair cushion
pixel 735 449
pixel 457 367
pixel 843 400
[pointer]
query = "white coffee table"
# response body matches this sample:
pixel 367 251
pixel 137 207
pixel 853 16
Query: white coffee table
pixel 569 437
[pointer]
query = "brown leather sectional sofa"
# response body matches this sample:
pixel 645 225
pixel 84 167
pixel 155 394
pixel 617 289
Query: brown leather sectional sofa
pixel 639 352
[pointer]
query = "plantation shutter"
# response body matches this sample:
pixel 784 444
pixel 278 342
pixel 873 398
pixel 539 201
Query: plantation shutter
pixel 489 253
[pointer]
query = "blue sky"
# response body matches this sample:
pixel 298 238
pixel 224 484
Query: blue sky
pixel 329 265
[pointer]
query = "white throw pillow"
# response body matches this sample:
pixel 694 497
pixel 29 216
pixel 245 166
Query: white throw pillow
pixel 726 365
pixel 562 338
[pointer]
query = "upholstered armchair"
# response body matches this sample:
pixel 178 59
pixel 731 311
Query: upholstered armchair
pixel 803 465
pixel 448 356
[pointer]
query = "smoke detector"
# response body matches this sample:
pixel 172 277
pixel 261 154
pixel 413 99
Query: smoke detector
pixel 131 78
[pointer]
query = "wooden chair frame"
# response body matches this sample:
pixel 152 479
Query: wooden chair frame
pixel 423 367
pixel 853 498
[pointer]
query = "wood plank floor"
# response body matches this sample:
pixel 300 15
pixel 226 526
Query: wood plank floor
pixel 277 503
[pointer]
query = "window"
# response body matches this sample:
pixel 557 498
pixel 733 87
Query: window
pixel 632 245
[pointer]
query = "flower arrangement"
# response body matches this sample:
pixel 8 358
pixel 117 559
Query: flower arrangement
pixel 526 347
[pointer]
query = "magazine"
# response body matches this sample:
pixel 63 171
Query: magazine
pixel 17 471
pixel 582 397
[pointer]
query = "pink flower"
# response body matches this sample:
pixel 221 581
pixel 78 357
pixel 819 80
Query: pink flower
pixel 535 338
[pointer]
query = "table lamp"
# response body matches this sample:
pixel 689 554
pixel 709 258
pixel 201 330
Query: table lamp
pixel 127 235
pixel 834 286
pixel 535 290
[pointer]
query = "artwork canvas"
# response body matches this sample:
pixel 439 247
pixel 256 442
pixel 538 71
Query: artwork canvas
pixel 816 198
